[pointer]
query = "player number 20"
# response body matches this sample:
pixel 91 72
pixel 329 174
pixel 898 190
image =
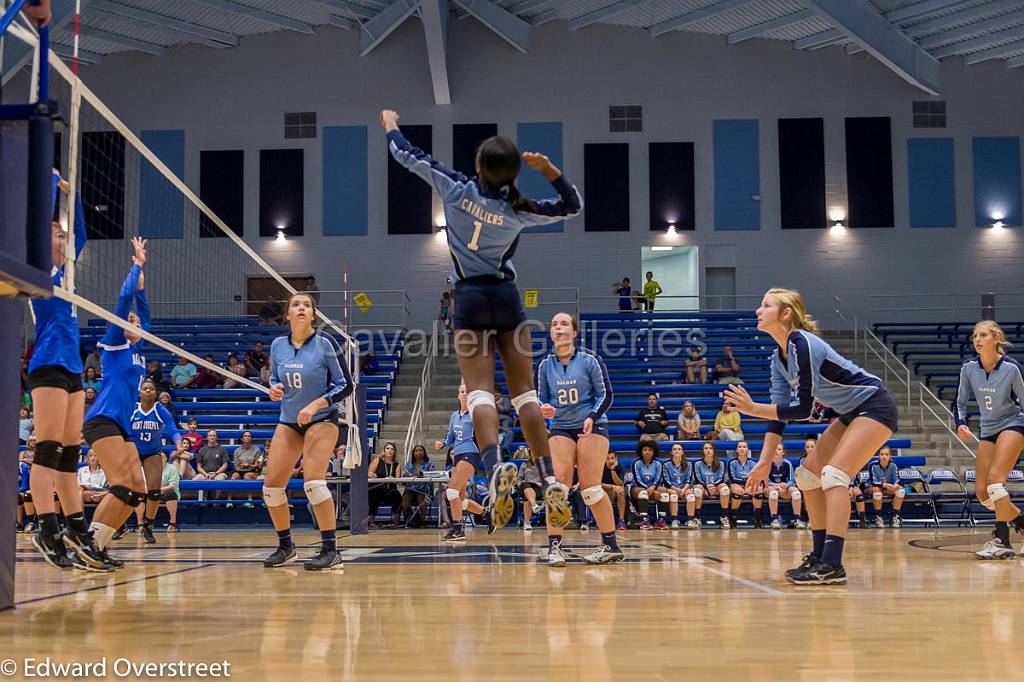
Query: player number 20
pixel 474 244
pixel 568 397
pixel 293 379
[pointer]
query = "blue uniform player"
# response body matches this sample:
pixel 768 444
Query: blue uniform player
pixel 310 377
pixel 883 482
pixel 26 510
pixel 152 424
pixel 645 477
pixel 996 382
pixel 805 370
pixel 108 424
pixel 739 469
pixel 781 484
pixel 710 475
pixel 676 478
pixel 575 393
pixel 466 457
pixel 55 381
pixel 485 216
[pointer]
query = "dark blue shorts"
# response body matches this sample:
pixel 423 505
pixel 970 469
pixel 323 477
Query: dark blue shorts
pixel 472 458
pixel 881 407
pixel 487 303
pixel 574 434
pixel 331 417
pixel 995 436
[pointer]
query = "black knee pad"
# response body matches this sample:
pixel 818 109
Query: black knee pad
pixel 758 496
pixel 69 458
pixel 48 455
pixel 859 498
pixel 153 495
pixel 128 496
pixel 746 498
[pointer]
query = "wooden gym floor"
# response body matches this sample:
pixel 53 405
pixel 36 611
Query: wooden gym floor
pixel 708 605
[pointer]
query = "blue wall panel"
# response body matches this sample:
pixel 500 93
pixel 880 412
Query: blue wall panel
pixel 345 180
pixel 545 138
pixel 737 175
pixel 161 205
pixel 931 175
pixel 997 194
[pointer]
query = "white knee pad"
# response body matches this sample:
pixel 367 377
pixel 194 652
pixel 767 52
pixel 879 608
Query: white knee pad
pixel 796 496
pixel 642 495
pixel 691 498
pixel 275 497
pixel 900 493
pixel 806 480
pixel 877 497
pixel 996 492
pixel 833 477
pixel 672 497
pixel 773 495
pixel 465 504
pixel 723 490
pixel 988 504
pixel 452 494
pixel 316 491
pixel 523 399
pixel 665 497
pixel 698 492
pixel 480 399
pixel 593 495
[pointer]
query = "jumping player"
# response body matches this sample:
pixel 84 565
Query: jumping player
pixel 467 461
pixel 151 424
pixel 485 216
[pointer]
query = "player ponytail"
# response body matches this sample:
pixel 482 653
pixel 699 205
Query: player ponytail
pixel 498 163
pixel 792 300
pixel 993 328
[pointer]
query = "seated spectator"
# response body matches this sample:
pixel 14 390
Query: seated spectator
pixel 247 459
pixel 207 378
pixel 417 494
pixel 883 482
pixel 739 468
pixel 93 360
pixel 29 453
pixel 385 466
pixel 613 480
pixel 728 423
pixel 194 438
pixel 90 398
pixel 781 483
pixel 689 422
pixel 696 368
pixel 155 373
pixel 182 460
pixel 505 420
pixel 270 312
pixel 676 475
pixel 184 374
pixel 25 425
pixel 727 369
pixel 91 379
pixel 652 420
pixel 255 360
pixel 165 400
pixel 212 460
pixel 170 493
pixel 235 367
pixel 709 481
pixel 646 478
pixel 93 481
pixel 530 484
pixel 625 293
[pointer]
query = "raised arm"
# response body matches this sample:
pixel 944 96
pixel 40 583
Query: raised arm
pixel 443 179
pixel 568 204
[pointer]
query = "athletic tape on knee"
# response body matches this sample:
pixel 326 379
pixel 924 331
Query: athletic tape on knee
pixel 47 455
pixel 317 491
pixel 806 480
pixel 642 495
pixel 876 496
pixel 690 498
pixel 672 497
pixel 773 495
pixel 797 496
pixel 901 493
pixel 664 497
pixel 524 399
pixel 452 494
pixel 593 495
pixel 69 456
pixel 833 477
pixel 480 399
pixel 275 497
pixel 996 492
pixel 988 504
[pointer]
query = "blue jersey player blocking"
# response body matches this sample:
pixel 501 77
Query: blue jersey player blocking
pixel 485 216
pixel 152 424
pixel 805 369
pixel 466 456
pixel 575 394
pixel 309 376
pixel 995 381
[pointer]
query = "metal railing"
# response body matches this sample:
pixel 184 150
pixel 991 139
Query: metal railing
pixel 745 303
pixel 419 407
pixel 944 306
pixel 944 416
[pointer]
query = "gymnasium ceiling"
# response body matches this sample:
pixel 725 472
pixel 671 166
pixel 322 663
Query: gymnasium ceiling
pixel 908 36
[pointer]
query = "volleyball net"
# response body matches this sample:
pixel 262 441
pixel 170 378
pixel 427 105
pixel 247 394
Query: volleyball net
pixel 199 270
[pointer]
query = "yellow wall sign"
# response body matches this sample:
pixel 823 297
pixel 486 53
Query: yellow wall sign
pixel 531 298
pixel 363 301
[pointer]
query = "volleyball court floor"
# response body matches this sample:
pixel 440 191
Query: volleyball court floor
pixel 708 605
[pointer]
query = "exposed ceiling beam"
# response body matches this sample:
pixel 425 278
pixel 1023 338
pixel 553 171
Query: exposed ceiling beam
pixel 824 38
pixel 606 13
pixel 123 41
pixel 355 10
pixel 527 6
pixel 861 22
pixel 902 14
pixel 83 55
pixel 994 53
pixel 380 27
pixel 16 53
pixel 434 14
pixel 506 25
pixel 342 22
pixel 854 48
pixel 544 17
pixel 260 15
pixel 982 27
pixel 769 26
pixel 979 43
pixel 194 32
pixel 697 15
pixel 1015 63
pixel 967 15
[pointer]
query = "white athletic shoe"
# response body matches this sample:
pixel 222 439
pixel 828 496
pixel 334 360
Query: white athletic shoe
pixel 527 526
pixel 994 549
pixel 800 524
pixel 897 521
pixel 556 559
pixel 776 523
pixel 879 522
pixel 724 521
pixel 675 525
pixel 693 524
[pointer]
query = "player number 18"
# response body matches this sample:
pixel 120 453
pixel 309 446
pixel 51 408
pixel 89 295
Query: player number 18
pixel 293 379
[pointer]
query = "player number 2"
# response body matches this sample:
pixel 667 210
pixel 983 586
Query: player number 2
pixel 988 403
pixel 473 244
pixel 293 379
pixel 568 397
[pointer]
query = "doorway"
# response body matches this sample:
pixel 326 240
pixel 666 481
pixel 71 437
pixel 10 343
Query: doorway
pixel 676 270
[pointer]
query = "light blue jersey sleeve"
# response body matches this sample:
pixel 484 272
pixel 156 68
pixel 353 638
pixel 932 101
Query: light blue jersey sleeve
pixel 568 204
pixel 449 440
pixel 541 382
pixel 780 393
pixel 340 384
pixel 170 431
pixel 963 394
pixel 602 387
pixel 444 180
